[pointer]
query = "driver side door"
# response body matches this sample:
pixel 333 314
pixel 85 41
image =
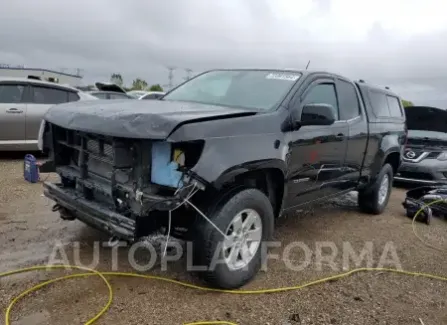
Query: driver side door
pixel 317 153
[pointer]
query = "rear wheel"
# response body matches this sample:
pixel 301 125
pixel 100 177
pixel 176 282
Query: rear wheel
pixel 375 198
pixel 246 219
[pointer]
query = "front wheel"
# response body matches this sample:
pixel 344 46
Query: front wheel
pixel 375 198
pixel 246 219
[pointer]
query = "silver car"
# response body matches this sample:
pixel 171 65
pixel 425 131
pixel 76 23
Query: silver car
pixel 140 94
pixel 425 156
pixel 153 95
pixel 23 103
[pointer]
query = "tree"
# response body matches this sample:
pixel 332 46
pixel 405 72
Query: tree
pixel 156 87
pixel 116 78
pixel 407 103
pixel 139 84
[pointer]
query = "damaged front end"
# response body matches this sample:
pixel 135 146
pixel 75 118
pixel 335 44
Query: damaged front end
pixel 122 186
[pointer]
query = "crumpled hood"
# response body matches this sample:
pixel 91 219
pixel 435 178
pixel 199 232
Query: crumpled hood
pixel 426 118
pixel 135 119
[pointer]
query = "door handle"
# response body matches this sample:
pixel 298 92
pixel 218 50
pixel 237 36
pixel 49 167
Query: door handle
pixel 14 111
pixel 340 136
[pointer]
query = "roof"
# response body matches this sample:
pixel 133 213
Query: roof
pixel 384 90
pixel 38 82
pixel 45 70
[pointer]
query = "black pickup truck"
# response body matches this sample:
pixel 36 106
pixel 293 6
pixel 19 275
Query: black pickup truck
pixel 221 156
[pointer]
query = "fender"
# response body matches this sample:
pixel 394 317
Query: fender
pixel 389 144
pixel 230 174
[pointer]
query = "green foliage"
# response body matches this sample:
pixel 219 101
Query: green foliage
pixel 406 103
pixel 139 84
pixel 156 87
pixel 117 79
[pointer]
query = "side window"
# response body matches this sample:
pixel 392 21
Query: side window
pixel 379 104
pixel 46 95
pixel 100 95
pixel 118 96
pixel 73 97
pixel 10 93
pixel 349 101
pixel 394 106
pixel 322 94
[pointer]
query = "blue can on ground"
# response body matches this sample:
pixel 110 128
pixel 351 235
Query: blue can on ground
pixel 30 169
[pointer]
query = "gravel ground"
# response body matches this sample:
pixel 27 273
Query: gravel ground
pixel 29 232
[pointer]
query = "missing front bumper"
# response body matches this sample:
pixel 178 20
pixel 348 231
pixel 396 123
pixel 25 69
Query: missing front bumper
pixel 91 213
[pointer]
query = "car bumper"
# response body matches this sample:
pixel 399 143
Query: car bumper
pixel 429 171
pixel 91 213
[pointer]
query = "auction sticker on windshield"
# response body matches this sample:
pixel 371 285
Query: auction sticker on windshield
pixel 283 76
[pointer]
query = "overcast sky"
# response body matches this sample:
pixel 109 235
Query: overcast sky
pixel 399 43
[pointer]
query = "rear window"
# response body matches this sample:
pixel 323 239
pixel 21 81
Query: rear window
pixel 46 95
pixel 73 97
pixel 385 105
pixel 394 106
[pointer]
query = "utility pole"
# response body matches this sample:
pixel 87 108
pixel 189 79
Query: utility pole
pixel 79 72
pixel 188 73
pixel 171 76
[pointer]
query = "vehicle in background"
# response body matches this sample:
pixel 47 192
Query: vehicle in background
pixel 23 103
pixel 108 90
pixel 137 94
pixel 425 157
pixel 109 95
pixel 153 95
pixel 241 147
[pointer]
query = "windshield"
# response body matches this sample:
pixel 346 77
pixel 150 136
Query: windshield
pixel 252 89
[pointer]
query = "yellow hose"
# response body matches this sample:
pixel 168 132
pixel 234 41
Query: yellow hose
pixel 103 275
pixel 184 284
pixel 413 225
pixel 41 285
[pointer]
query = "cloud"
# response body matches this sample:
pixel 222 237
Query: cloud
pixel 382 41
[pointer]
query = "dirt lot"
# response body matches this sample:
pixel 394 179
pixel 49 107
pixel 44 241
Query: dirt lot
pixel 29 231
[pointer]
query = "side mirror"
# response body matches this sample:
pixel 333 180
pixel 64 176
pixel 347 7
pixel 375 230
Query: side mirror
pixel 317 114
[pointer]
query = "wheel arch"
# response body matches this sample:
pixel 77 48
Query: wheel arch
pixel 269 177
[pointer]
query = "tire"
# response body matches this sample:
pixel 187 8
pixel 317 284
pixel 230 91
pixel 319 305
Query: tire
pixel 208 241
pixel 372 200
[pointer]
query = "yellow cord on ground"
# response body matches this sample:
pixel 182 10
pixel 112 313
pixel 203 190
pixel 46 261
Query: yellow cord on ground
pixel 185 284
pixel 46 283
pixel 413 225
pixel 103 275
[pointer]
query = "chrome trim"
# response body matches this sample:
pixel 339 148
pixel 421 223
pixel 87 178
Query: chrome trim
pixel 13 142
pixel 413 180
pixel 418 159
pixel 358 117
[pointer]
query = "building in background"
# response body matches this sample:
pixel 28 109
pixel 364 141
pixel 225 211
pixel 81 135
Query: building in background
pixel 74 80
